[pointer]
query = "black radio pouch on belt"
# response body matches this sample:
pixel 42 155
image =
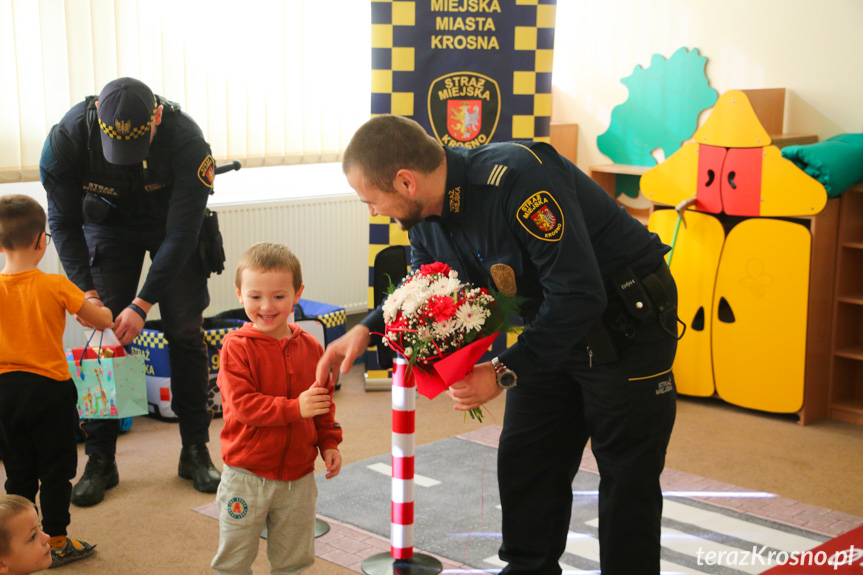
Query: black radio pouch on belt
pixel 632 301
pixel 632 294
pixel 211 249
pixel 97 209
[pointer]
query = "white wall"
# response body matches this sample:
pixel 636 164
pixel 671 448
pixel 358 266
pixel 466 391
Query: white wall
pixel 813 49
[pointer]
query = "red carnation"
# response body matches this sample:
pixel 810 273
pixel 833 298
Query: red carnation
pixel 435 268
pixel 441 307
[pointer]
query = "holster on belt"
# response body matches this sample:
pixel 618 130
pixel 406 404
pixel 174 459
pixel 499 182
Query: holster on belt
pixel 211 248
pixel 632 302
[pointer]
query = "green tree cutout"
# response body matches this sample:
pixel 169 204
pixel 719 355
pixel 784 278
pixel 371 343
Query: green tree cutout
pixel 662 110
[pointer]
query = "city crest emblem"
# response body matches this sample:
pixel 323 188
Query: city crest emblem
pixel 542 217
pixel 464 109
pixel 464 119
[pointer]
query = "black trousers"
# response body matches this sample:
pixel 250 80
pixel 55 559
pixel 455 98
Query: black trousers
pixel 627 410
pixel 117 258
pixel 38 419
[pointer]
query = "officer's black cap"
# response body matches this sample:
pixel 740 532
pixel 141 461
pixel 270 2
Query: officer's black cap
pixel 127 109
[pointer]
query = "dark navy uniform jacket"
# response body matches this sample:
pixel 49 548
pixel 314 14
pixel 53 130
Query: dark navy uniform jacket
pixel 168 198
pixel 525 206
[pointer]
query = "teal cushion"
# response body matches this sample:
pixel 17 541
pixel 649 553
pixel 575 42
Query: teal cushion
pixel 837 162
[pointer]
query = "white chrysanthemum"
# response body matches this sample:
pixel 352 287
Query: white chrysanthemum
pixel 412 302
pixel 445 328
pixel 392 305
pixel 471 317
pixel 446 286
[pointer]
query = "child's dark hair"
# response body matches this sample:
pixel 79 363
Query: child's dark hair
pixel 22 219
pixel 268 257
pixel 10 506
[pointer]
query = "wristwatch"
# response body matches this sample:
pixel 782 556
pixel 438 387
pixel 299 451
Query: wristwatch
pixel 506 378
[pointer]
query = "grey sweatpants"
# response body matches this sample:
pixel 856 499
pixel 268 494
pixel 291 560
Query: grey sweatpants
pixel 248 503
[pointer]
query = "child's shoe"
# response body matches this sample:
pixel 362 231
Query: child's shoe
pixel 65 550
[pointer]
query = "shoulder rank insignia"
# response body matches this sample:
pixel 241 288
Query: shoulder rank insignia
pixel 488 174
pixel 542 217
pixel 207 171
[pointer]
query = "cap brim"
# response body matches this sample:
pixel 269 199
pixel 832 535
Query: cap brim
pixel 125 152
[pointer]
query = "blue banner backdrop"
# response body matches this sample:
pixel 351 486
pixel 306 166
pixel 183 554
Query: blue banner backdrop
pixel 470 72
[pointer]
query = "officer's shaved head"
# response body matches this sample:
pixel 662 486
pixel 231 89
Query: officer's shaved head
pixel 386 144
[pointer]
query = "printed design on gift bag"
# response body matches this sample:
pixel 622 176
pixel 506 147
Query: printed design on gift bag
pixel 95 402
pixel 110 385
pixel 237 508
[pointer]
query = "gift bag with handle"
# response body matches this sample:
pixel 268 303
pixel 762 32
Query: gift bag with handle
pixel 111 385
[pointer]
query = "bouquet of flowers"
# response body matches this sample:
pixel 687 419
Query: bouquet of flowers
pixel 443 326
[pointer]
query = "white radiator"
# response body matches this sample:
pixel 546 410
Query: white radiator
pixel 329 235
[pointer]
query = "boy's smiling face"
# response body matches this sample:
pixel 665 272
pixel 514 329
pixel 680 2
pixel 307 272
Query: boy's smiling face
pixel 269 298
pixel 28 546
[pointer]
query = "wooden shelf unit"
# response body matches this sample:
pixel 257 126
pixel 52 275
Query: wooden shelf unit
pixel 846 367
pixel 606 176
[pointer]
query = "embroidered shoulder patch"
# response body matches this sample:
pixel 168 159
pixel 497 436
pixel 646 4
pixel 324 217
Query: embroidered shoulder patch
pixel 207 171
pixel 542 217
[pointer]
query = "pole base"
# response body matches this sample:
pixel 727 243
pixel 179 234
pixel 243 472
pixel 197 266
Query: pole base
pixel 321 527
pixel 385 564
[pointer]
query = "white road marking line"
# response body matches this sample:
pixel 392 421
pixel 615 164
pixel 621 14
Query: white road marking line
pixel 751 532
pixel 587 547
pixel 420 480
pixel 567 569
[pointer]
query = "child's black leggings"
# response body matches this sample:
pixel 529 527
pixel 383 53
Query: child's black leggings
pixel 38 419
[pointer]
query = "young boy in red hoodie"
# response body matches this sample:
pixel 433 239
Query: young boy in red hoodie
pixel 276 421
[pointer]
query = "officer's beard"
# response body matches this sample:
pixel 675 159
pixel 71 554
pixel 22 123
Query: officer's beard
pixel 413 217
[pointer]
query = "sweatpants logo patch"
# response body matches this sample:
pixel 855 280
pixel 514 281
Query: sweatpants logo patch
pixel 237 508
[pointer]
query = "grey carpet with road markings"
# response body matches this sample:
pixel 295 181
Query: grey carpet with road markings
pixel 458 515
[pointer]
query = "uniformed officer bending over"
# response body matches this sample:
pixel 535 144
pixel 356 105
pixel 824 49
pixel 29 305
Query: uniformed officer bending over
pixel 129 173
pixel 594 360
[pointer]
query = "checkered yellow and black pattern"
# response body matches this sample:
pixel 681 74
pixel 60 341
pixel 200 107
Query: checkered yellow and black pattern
pixel 152 339
pixel 214 337
pixel 404 66
pixel 533 82
pixel 383 232
pixel 398 88
pixel 119 131
pixel 334 319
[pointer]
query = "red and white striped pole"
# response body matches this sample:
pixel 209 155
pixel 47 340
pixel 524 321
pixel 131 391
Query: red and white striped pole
pixel 404 418
pixel 402 560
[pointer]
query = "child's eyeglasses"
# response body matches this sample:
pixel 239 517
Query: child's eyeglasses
pixel 47 239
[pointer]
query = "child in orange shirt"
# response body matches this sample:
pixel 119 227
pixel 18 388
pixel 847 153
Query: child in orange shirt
pixel 38 413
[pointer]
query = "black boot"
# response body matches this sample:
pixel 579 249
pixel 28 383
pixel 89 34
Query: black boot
pixel 195 464
pixel 100 474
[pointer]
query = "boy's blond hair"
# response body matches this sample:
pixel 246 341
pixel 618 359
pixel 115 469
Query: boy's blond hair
pixel 10 506
pixel 22 219
pixel 268 257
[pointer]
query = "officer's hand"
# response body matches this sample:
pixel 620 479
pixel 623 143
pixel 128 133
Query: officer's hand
pixel 314 401
pixel 128 326
pixel 477 388
pixel 333 460
pixel 340 354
